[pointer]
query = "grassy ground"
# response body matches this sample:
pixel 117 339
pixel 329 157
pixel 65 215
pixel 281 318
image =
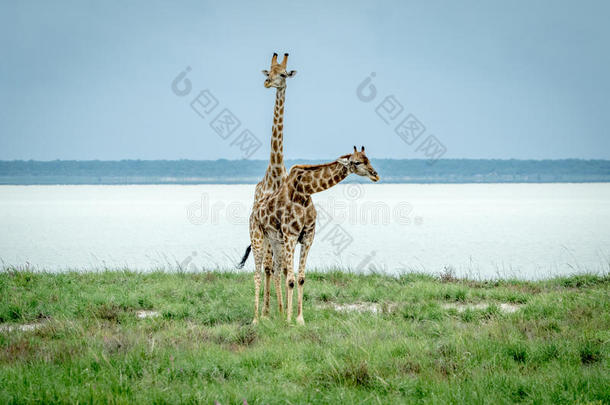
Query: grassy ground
pixel 90 346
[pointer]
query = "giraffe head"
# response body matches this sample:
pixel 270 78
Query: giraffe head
pixel 359 164
pixel 276 77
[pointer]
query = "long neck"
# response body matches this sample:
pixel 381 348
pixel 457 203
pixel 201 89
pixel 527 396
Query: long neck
pixel 308 180
pixel 277 131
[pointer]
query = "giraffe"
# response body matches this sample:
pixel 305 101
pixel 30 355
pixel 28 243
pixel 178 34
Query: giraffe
pixel 276 171
pixel 288 216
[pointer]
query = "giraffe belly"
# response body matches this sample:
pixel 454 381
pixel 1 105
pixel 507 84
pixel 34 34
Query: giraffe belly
pixel 275 236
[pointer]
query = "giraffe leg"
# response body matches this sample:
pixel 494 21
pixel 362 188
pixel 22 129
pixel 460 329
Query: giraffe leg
pixel 277 278
pixel 268 266
pixel 256 238
pixel 285 272
pixel 305 245
pixel 289 245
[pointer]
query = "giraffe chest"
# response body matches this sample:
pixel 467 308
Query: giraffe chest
pixel 289 220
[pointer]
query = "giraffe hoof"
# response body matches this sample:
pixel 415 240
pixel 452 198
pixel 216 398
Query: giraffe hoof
pixel 300 321
pixel 254 321
pixel 265 317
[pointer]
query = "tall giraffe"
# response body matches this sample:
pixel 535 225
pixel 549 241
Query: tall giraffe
pixel 288 216
pixel 276 171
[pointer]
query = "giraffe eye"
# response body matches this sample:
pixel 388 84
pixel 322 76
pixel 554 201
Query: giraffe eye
pixel 357 163
pixel 284 75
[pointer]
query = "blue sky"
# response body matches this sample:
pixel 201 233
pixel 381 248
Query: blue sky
pixel 489 79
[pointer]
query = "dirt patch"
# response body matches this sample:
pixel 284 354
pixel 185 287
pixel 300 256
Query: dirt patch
pixel 26 327
pixel 143 314
pixel 358 307
pixel 461 307
pixel 361 307
pixel 376 308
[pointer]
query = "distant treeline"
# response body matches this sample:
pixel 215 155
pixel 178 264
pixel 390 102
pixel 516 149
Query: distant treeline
pixel 250 171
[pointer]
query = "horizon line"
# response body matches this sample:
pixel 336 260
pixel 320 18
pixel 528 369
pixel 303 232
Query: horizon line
pixel 301 159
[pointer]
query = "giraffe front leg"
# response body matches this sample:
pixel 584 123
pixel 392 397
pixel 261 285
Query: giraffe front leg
pixel 277 276
pixel 285 271
pixel 256 240
pixel 305 245
pixel 268 266
pixel 289 245
pixel 257 291
pixel 266 288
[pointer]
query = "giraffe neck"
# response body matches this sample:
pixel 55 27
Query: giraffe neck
pixel 309 179
pixel 276 170
pixel 277 137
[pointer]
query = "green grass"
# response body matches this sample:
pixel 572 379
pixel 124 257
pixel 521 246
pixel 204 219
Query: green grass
pixel 202 348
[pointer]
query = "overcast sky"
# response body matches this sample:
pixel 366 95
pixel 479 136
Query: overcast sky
pixel 489 79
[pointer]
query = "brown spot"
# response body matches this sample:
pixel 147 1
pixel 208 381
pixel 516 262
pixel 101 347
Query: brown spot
pixel 282 110
pixel 280 127
pixel 296 227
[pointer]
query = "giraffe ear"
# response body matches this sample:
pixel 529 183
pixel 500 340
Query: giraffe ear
pixel 362 150
pixel 355 149
pixel 265 72
pixel 343 161
pixel 292 73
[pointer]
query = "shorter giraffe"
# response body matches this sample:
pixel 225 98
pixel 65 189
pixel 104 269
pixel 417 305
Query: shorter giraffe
pixel 288 216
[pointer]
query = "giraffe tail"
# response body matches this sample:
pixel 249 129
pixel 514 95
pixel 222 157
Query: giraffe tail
pixel 240 265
